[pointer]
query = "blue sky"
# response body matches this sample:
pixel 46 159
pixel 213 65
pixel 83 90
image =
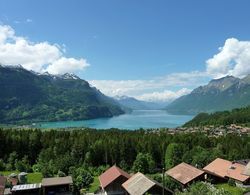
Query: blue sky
pixel 138 41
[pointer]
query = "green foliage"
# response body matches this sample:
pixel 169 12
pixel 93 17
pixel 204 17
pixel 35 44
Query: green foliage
pixel 234 190
pixel 65 150
pixel 236 116
pixel 81 177
pixel 12 161
pixel 143 163
pixel 168 182
pixel 174 155
pixel 231 182
pixel 2 165
pixel 61 174
pixel 26 97
pixel 36 168
pixel 23 165
pixel 204 189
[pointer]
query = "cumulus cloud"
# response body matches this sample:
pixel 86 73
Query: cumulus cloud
pixel 154 89
pixel 66 65
pixel 164 96
pixel 38 57
pixel 233 59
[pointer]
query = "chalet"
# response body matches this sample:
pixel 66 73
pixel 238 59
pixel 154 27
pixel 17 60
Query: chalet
pixel 140 184
pixel 57 185
pixel 185 174
pixel 247 169
pixel 2 184
pixel 222 170
pixel 27 189
pixel 112 179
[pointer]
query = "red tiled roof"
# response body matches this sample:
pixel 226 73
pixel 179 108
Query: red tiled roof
pixel 184 173
pixel 112 174
pixel 224 168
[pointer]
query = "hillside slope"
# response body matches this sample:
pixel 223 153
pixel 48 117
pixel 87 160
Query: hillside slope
pixel 236 116
pixel 221 94
pixel 28 97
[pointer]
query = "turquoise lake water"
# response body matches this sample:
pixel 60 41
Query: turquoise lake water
pixel 135 120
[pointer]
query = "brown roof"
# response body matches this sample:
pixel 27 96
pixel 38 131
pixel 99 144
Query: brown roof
pixel 224 168
pixel 139 184
pixel 184 173
pixel 112 174
pixel 57 181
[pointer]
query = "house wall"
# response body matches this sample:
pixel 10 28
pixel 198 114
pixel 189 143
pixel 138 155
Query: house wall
pixel 27 192
pixel 59 189
pixel 116 186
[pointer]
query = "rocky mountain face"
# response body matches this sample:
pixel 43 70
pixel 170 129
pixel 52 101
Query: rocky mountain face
pixel 219 94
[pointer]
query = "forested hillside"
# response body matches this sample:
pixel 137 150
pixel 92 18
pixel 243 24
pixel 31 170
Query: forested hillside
pixel 236 116
pixel 145 151
pixel 29 97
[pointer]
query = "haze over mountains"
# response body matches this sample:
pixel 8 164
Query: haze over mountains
pixel 219 94
pixel 28 96
pixel 135 104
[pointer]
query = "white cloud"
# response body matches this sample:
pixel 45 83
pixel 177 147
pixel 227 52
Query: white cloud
pixel 38 57
pixel 154 89
pixel 164 96
pixel 233 59
pixel 63 65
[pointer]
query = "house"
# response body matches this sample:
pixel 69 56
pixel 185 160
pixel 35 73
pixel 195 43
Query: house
pixel 247 169
pixel 185 174
pixel 112 179
pixel 57 185
pixel 27 189
pixel 221 170
pixel 12 179
pixel 2 184
pixel 140 184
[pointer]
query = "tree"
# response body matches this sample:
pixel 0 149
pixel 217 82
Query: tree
pixel 143 163
pixel 12 160
pixel 81 177
pixel 204 189
pixel 2 165
pixel 174 154
pixel 23 165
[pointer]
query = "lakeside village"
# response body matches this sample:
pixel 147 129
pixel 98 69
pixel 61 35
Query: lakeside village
pixel 116 181
pixel 210 130
pixel 213 130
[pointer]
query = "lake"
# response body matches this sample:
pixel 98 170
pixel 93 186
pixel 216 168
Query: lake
pixel 134 120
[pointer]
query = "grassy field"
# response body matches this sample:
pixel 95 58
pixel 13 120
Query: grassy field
pixel 31 177
pixel 233 190
pixel 94 186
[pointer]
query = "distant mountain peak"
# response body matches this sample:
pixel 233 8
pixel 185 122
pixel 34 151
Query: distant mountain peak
pixel 219 94
pixel 70 76
pixel 122 97
pixel 18 66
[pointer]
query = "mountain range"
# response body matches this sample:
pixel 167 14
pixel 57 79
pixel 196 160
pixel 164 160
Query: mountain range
pixel 29 96
pixel 219 94
pixel 135 104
